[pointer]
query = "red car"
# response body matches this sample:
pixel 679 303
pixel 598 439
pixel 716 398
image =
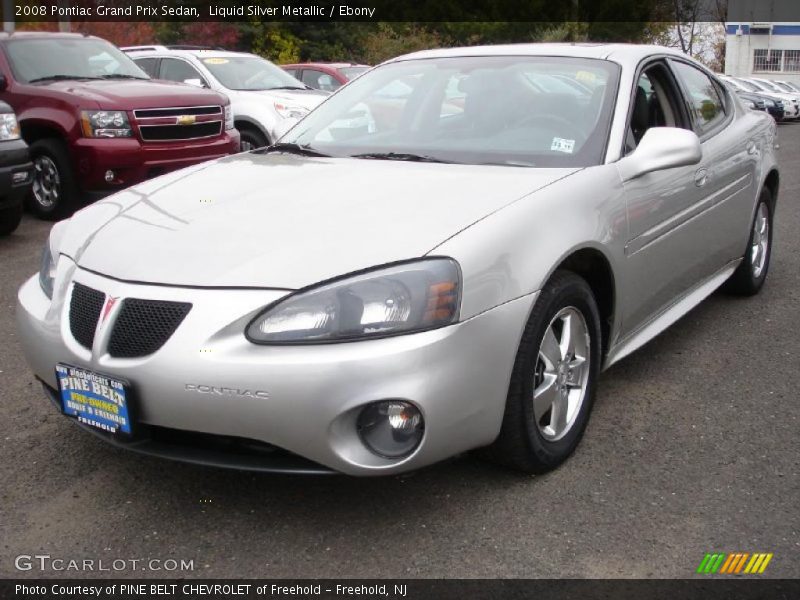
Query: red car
pixel 96 123
pixel 325 76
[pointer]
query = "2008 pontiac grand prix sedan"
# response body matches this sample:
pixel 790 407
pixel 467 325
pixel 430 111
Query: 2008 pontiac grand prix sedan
pixel 441 257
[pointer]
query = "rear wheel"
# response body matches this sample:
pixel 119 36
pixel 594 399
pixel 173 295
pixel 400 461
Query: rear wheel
pixel 10 218
pixel 749 276
pixel 54 192
pixel 552 384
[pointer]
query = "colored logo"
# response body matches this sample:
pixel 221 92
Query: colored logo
pixel 734 563
pixel 186 120
pixel 110 302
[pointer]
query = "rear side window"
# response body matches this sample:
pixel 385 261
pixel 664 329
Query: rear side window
pixel 174 69
pixel 148 65
pixel 703 97
pixel 319 80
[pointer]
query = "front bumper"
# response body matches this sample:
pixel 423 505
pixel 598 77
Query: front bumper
pixel 458 376
pixel 133 161
pixel 13 160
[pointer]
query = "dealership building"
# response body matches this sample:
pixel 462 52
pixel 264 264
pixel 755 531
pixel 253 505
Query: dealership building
pixel 768 50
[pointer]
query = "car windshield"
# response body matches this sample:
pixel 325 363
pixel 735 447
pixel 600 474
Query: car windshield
pixel 46 59
pixel 352 72
pixel 472 110
pixel 250 73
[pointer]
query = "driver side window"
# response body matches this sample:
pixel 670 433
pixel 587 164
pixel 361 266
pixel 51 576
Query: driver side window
pixel 654 105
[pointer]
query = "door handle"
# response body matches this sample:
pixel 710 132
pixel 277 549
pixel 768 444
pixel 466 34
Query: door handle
pixel 701 177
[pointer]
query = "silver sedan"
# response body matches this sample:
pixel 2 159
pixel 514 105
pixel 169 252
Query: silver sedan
pixel 441 257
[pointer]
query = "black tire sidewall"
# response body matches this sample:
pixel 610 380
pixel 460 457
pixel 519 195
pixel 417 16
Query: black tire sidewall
pixel 258 140
pixel 574 292
pixel 10 218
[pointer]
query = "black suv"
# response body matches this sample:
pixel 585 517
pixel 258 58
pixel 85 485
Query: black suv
pixel 15 170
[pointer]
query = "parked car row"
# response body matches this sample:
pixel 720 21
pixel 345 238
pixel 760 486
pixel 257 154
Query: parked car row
pixel 781 99
pixel 96 119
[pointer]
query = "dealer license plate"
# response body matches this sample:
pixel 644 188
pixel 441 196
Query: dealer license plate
pixel 96 400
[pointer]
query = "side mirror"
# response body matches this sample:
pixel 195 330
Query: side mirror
pixel 195 82
pixel 3 83
pixel 661 148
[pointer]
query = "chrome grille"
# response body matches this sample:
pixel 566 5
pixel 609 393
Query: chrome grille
pixel 179 123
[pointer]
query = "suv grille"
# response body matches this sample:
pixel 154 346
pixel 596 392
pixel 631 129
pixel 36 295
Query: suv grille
pixel 143 326
pixel 179 123
pixel 164 133
pixel 84 312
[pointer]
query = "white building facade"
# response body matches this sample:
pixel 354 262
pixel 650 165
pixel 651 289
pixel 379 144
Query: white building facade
pixel 766 50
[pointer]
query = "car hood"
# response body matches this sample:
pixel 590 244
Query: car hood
pixel 308 99
pixel 286 221
pixel 129 94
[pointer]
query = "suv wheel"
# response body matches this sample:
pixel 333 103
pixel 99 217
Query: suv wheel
pixel 251 139
pixel 53 192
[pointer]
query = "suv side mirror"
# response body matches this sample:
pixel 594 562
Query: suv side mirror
pixel 197 82
pixel 661 148
pixel 3 83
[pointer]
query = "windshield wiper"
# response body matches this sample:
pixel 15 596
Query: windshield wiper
pixel 292 148
pixel 289 87
pixel 122 76
pixel 60 78
pixel 401 156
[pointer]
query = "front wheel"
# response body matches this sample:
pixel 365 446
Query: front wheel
pixel 749 276
pixel 54 192
pixel 552 385
pixel 251 140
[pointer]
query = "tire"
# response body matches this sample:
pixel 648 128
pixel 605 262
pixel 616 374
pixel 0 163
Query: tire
pixel 749 276
pixel 10 218
pixel 251 139
pixel 530 440
pixel 54 192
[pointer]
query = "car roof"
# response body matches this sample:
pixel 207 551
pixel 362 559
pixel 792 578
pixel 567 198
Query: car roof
pixel 198 52
pixel 4 36
pixel 621 53
pixel 330 65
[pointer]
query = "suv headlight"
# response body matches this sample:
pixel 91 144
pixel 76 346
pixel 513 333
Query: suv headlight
pixel 228 112
pixel 9 127
pixel 290 111
pixel 105 124
pixel 404 298
pixel 47 270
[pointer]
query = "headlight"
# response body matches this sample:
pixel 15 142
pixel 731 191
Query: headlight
pixel 105 124
pixel 228 116
pixel 403 298
pixel 290 111
pixel 9 128
pixel 47 270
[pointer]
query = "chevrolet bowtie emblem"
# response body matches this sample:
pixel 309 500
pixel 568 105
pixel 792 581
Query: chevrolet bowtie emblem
pixel 186 120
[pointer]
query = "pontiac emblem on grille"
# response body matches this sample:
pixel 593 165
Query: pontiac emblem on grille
pixel 185 120
pixel 110 302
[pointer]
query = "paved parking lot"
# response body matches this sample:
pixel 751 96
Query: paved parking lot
pixel 692 447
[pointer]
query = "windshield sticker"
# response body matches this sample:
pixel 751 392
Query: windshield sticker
pixel 216 61
pixel 585 76
pixel 562 145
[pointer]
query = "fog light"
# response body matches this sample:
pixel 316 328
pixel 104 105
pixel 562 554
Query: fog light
pixel 391 428
pixel 109 176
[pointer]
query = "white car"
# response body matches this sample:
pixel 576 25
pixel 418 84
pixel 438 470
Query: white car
pixel 787 86
pixel 265 98
pixel 791 99
pixel 791 110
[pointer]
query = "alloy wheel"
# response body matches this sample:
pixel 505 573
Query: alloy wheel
pixel 760 240
pixel 46 182
pixel 562 374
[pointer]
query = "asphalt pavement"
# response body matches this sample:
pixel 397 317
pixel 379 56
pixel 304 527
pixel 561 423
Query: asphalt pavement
pixel 693 447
